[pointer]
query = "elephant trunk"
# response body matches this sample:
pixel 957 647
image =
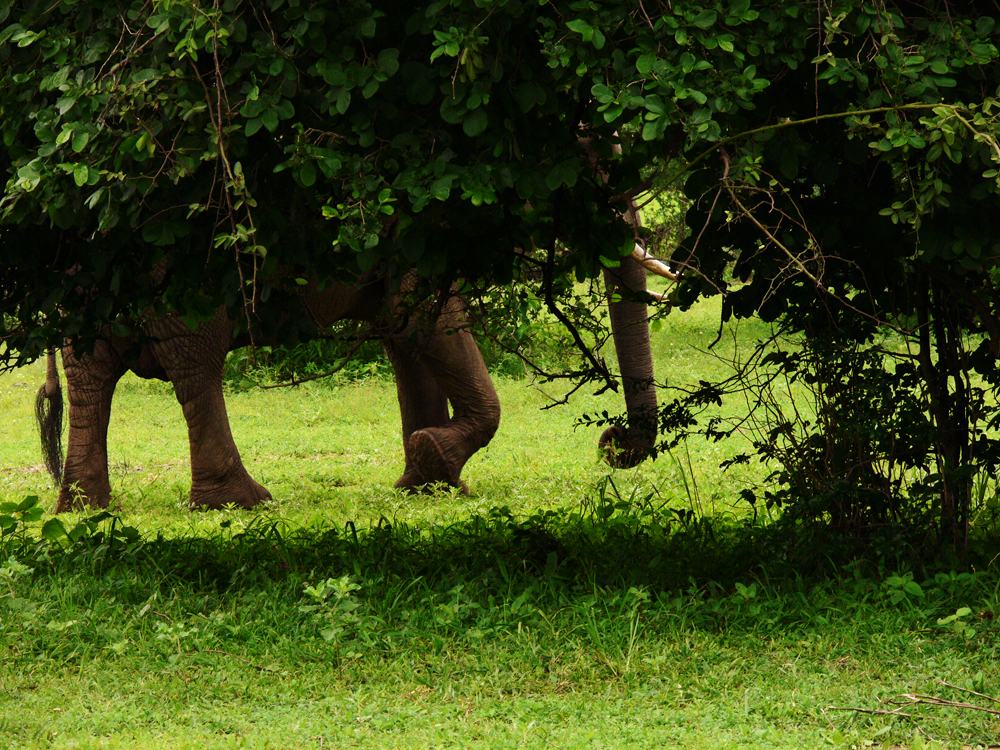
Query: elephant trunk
pixel 625 446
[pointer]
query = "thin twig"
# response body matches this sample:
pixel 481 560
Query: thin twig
pixel 930 700
pixel 600 369
pixel 880 712
pixel 328 373
pixel 966 690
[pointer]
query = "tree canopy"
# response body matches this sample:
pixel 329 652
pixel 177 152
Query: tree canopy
pixel 840 160
pixel 233 138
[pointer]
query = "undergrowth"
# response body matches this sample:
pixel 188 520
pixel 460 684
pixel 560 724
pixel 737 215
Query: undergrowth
pixel 609 541
pixel 620 596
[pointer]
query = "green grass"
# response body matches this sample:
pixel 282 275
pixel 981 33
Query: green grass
pixel 463 637
pixel 553 608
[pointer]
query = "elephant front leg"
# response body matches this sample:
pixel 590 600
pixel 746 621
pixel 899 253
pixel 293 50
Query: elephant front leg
pixel 450 356
pixel 90 386
pixel 626 446
pixel 422 404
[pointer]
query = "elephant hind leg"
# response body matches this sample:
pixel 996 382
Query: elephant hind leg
pixel 90 386
pixel 422 404
pixel 430 453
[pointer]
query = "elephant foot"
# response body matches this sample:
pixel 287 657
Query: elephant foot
pixel 73 497
pixel 243 492
pixel 413 483
pixel 429 453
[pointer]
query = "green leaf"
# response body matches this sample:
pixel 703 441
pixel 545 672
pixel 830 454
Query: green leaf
pixel 307 174
pixel 602 93
pixel 80 141
pixel 441 187
pixel 739 7
pixel 81 173
pixel 453 110
pixel 613 112
pixel 388 62
pixel 655 104
pixel 343 100
pixel 475 123
pixel 270 120
pixel 561 174
pixel 254 106
pixel 29 502
pixel 284 109
pixel 528 95
pixel 705 19
pixel 53 530
pixel 985 26
pixel 145 75
pixel 65 103
pixel 913 588
pixel 945 81
pixel 645 64
pixel 95 197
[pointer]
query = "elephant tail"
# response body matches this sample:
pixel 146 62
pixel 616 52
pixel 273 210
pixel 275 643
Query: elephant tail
pixel 49 415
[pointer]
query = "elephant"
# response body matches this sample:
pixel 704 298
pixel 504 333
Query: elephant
pixel 436 362
pixel 434 357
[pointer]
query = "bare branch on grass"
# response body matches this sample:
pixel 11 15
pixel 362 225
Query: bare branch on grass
pixel 913 700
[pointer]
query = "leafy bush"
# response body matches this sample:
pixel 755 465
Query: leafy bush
pixel 308 360
pixel 854 448
pixel 844 417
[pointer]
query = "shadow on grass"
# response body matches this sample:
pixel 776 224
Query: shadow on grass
pixel 610 544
